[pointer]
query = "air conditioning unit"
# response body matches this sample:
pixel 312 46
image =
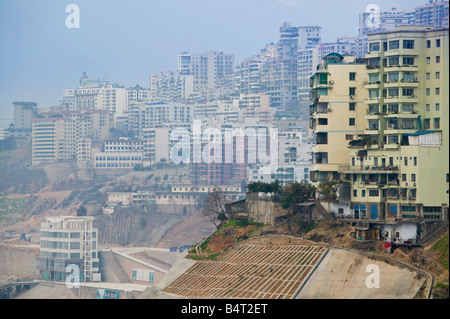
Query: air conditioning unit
pixel 331 82
pixel 329 109
pixel 352 97
pixel 414 184
pixel 416 79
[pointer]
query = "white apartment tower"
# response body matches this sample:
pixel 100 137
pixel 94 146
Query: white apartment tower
pixel 69 242
pixel 207 68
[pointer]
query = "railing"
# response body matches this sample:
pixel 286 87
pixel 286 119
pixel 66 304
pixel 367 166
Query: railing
pixel 368 168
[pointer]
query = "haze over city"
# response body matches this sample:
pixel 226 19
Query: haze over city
pixel 125 41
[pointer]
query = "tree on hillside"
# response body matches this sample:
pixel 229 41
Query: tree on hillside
pixel 326 189
pixel 214 207
pixel 81 211
pixel 296 193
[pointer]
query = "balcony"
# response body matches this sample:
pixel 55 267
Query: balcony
pixel 367 169
pixel 401 68
pixel 372 85
pixel 401 52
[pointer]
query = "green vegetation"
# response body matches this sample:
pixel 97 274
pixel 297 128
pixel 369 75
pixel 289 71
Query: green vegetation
pixel 10 205
pixel 326 189
pixel 289 195
pixel 441 247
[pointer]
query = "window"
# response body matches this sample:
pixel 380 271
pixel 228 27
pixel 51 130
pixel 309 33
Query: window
pixel 437 123
pixel 374 78
pixel 426 123
pixel 427 91
pixel 394 45
pixel 403 177
pixel 408 92
pixel 438 75
pixel 393 92
pixel 393 61
pixel 323 78
pixel 415 160
pixel 374 93
pixel 374 46
pixel 427 75
pixel 408 60
pixel 427 107
pixel 322 121
pixel 437 91
pixel 428 60
pixel 407 108
pixel 408 44
pixel 428 44
pixel 385 46
pixel 352 76
pixel 363 193
pixel 351 91
pixel 413 177
pixel 436 107
pixel 373 192
pixel 393 77
pixel 438 43
pixel 351 121
pixel 352 106
pixel 408 77
pixel 438 59
pixel 405 160
pixel 355 193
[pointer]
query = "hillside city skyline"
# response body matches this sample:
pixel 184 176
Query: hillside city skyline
pixel 42 76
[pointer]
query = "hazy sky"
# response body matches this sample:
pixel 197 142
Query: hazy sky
pixel 124 41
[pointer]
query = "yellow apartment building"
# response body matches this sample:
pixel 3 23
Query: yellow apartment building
pixel 337 113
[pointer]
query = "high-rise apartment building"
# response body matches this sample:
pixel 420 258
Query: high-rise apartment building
pixel 55 138
pixel 93 94
pixel 400 167
pixel 434 13
pixel 24 112
pixel 308 58
pixel 337 113
pixel 171 86
pixel 206 68
pixel 137 93
pixel 69 246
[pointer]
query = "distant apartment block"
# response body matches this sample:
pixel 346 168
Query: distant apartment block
pixel 156 145
pixel 121 153
pixel 93 94
pixel 55 137
pixel 69 246
pixel 171 86
pixel 137 93
pixel 206 68
pixel 24 112
pixel 434 13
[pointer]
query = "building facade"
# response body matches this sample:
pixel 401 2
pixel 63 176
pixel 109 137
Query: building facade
pixel 337 113
pixel 69 243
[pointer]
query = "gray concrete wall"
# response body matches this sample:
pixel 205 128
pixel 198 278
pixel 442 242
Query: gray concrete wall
pixel 18 261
